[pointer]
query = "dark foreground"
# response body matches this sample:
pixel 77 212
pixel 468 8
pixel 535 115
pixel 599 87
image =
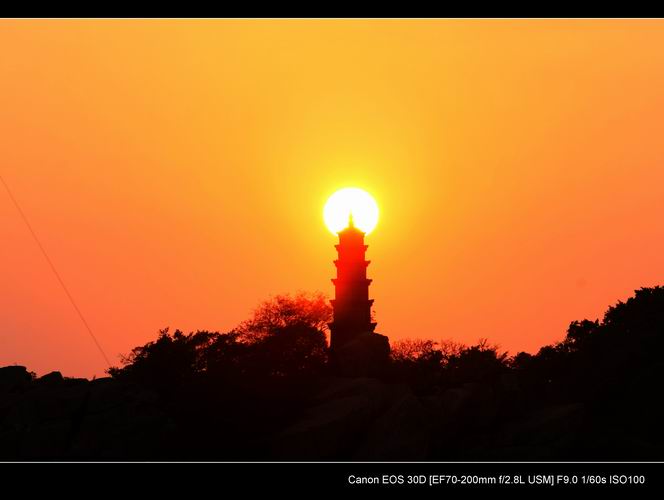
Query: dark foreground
pixel 594 396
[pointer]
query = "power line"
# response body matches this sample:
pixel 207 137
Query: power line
pixel 55 272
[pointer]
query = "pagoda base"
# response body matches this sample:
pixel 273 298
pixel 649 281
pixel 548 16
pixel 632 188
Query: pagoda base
pixel 366 355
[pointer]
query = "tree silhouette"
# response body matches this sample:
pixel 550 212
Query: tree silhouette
pixel 174 360
pixel 414 350
pixel 478 363
pixel 284 337
pixel 304 309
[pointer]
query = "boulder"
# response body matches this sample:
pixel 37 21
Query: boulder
pixel 403 432
pixel 48 440
pixel 122 433
pixel 551 427
pixel 48 403
pixel 333 427
pixel 454 401
pixel 366 355
pixel 106 394
pixel 10 444
pixel 120 422
pixel 512 401
pixel 339 387
pixel 50 379
pixel 473 405
pixel 14 378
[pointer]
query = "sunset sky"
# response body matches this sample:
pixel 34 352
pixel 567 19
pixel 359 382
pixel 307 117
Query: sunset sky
pixel 176 171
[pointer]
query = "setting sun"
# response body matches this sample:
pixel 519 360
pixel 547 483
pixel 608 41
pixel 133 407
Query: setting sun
pixel 349 201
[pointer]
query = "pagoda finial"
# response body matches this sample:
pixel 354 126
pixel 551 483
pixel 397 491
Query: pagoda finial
pixel 350 219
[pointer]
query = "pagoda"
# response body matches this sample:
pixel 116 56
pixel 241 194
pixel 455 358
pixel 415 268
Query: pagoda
pixel 351 304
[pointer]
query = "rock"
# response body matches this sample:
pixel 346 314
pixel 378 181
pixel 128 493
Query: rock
pixel 121 422
pixel 14 378
pixel 13 419
pixel 57 418
pixel 71 381
pixel 362 419
pixel 512 402
pixel 53 403
pixel 483 405
pixel 105 394
pixel 10 444
pixel 465 417
pixel 40 422
pixel 50 379
pixel 341 387
pixel 333 427
pixel 553 426
pixel 49 440
pixel 403 432
pixel 121 433
pixel 509 382
pixel 367 355
pixel 454 400
pixel 473 404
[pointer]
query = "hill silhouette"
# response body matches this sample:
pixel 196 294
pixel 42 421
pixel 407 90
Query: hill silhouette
pixel 265 391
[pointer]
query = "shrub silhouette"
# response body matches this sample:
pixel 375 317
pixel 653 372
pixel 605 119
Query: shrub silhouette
pixel 428 366
pixel 419 363
pixel 478 363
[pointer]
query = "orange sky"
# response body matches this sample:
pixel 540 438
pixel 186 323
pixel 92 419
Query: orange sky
pixel 176 172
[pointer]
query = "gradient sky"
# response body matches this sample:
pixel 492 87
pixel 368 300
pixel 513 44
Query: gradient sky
pixel 176 171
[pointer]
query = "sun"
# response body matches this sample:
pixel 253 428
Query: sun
pixel 348 201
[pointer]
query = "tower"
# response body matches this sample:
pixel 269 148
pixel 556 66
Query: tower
pixel 352 330
pixel 351 304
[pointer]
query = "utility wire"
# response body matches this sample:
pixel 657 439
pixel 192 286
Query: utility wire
pixel 55 272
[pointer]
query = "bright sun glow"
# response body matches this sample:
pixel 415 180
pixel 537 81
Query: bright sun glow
pixel 351 200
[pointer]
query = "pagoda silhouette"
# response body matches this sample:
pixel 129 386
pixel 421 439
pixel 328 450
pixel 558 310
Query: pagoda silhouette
pixel 355 349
